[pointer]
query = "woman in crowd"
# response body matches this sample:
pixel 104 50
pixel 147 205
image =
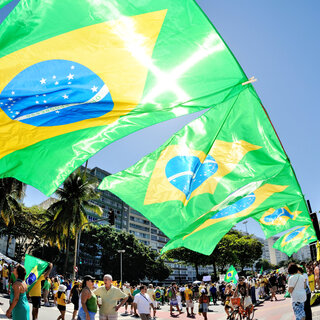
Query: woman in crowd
pixel 19 306
pixel 74 298
pixel 296 284
pixel 89 306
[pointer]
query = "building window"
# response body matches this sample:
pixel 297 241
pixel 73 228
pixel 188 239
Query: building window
pixel 136 226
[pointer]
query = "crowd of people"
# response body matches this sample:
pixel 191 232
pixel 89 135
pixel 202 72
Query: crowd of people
pixel 90 296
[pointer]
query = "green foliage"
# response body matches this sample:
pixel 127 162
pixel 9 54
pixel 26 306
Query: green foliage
pixel 265 264
pixel 139 261
pixel 25 228
pixel 69 213
pixel 234 248
pixel 11 191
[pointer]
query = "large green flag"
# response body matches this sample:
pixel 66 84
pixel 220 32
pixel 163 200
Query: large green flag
pixel 231 275
pixel 294 240
pixel 223 167
pixel 92 72
pixel 34 269
pixel 275 221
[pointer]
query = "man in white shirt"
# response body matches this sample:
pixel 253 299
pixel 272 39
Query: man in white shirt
pixel 143 303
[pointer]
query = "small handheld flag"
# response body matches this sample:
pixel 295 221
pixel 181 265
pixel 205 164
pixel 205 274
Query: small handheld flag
pixel 231 275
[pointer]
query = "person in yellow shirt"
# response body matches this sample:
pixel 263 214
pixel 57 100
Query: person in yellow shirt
pixel 35 293
pixel 5 277
pixel 189 302
pixel 55 287
pixel 61 301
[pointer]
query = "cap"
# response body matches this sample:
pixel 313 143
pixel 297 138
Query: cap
pixel 88 277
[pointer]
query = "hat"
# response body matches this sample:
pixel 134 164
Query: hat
pixel 88 277
pixel 62 288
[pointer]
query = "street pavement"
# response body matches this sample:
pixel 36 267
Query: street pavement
pixel 267 310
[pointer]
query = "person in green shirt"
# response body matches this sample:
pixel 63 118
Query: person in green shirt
pixel 46 289
pixel 89 305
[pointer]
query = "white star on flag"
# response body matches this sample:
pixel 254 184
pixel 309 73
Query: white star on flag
pixel 65 96
pixel 12 92
pixel 69 82
pixel 70 76
pixel 56 83
pixel 43 81
pixel 44 101
pixel 10 99
pixel 72 67
pixel 53 77
pixel 94 89
pixel 37 101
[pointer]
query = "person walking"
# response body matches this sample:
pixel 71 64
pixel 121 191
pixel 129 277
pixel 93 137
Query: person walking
pixel 19 306
pixel 74 298
pixel 35 293
pixel 89 306
pixel 143 303
pixel 307 306
pixel 273 283
pixel 203 303
pixel 152 295
pixel 61 301
pixel 45 292
pixel 189 301
pixel 110 295
pixel 296 287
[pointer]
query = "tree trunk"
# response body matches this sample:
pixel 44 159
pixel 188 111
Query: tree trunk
pixel 75 255
pixel 197 270
pixel 214 269
pixel 7 247
pixel 67 252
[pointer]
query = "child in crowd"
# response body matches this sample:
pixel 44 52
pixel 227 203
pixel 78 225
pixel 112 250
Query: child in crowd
pixel 61 301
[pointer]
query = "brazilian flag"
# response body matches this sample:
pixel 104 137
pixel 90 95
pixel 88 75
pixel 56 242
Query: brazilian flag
pixel 294 240
pixel 231 275
pixel 77 75
pixel 158 294
pixel 34 269
pixel 222 168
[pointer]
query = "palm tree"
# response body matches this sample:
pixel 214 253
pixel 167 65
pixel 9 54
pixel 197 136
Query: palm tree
pixel 11 193
pixel 70 211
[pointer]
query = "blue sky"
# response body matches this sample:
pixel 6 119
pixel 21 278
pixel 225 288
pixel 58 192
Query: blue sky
pixel 278 43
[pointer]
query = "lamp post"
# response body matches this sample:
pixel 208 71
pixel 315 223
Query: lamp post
pixel 77 244
pixel 245 223
pixel 121 252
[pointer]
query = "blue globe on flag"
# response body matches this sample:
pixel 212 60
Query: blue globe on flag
pixel 31 279
pixel 55 92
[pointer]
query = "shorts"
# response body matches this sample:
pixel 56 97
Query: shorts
pixel 204 307
pixel 145 316
pixel 130 300
pixel 76 305
pixel 298 309
pixel 36 302
pixel 82 315
pixel 189 304
pixel 274 289
pixel 108 317
pixel 61 308
pixel 173 302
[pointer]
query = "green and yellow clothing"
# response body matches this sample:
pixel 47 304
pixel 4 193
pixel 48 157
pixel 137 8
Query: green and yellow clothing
pixel 62 299
pixel 92 303
pixel 47 284
pixel 311 282
pixel 36 289
pixel 188 293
